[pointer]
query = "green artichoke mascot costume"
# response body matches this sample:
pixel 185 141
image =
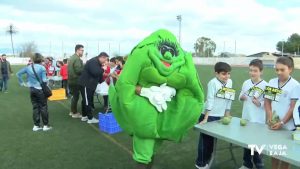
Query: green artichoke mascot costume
pixel 158 95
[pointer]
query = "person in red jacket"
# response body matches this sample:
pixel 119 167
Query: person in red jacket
pixel 64 75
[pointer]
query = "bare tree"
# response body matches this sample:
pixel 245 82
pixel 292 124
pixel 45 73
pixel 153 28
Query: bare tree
pixel 12 30
pixel 28 49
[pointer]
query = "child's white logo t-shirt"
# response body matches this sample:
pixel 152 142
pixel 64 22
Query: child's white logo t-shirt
pixel 219 97
pixel 252 112
pixel 283 100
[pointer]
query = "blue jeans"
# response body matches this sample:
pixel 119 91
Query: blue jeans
pixel 257 159
pixel 205 145
pixel 3 83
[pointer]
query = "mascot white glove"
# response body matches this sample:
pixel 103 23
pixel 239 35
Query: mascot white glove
pixel 167 92
pixel 158 96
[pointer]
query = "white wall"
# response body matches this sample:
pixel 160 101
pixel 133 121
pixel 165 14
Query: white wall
pixel 238 61
pixel 18 60
pixel 234 61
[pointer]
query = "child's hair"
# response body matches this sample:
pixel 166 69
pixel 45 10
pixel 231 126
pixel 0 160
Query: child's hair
pixel 120 59
pixel 288 61
pixel 222 67
pixel 65 61
pixel 257 63
pixel 60 63
pixel 113 60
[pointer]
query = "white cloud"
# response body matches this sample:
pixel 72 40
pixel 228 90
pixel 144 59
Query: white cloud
pixel 254 26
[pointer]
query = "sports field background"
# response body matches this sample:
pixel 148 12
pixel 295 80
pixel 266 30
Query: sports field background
pixel 73 144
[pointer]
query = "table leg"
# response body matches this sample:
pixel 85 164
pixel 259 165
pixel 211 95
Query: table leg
pixel 213 162
pixel 232 155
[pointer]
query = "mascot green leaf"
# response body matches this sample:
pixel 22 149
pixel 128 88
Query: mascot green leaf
pixel 157 60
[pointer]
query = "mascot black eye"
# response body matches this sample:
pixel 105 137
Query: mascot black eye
pixel 166 48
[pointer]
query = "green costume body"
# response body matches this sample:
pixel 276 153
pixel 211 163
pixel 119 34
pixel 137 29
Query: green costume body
pixel 156 60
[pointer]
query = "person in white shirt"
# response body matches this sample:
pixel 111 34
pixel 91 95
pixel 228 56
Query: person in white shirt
pixel 253 107
pixel 218 104
pixel 282 100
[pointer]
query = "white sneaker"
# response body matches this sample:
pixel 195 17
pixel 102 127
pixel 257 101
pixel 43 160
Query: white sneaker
pixel 93 120
pixel 76 116
pixel 70 114
pixel 84 118
pixel 205 167
pixel 244 167
pixel 46 128
pixel 36 128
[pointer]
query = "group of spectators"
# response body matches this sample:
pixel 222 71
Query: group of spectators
pixel 78 79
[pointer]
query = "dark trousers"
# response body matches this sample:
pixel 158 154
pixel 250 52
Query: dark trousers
pixel 105 99
pixel 74 91
pixel 3 83
pixel 64 84
pixel 39 106
pixel 205 145
pixel 87 101
pixel 257 159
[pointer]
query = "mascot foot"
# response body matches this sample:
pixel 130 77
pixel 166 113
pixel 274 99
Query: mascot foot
pixel 141 166
pixel 144 166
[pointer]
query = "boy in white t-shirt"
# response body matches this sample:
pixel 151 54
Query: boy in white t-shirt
pixel 280 97
pixel 218 104
pixel 253 108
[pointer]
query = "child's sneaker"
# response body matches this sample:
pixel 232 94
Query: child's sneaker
pixel 205 167
pixel 36 128
pixel 93 120
pixel 46 128
pixel 84 118
pixel 244 167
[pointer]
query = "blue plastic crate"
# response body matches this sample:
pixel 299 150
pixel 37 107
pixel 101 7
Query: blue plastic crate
pixel 108 123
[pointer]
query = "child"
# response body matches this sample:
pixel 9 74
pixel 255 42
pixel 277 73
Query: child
pixel 280 98
pixel 218 104
pixel 253 110
pixel 113 64
pixel 64 75
pixel 50 69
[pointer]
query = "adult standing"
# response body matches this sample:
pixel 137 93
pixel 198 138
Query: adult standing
pixel 5 71
pixel 92 74
pixel 38 99
pixel 75 67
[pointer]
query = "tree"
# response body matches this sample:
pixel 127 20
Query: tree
pixel 205 47
pixel 28 49
pixel 11 31
pixel 292 44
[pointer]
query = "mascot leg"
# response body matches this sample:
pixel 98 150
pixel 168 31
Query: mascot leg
pixel 143 151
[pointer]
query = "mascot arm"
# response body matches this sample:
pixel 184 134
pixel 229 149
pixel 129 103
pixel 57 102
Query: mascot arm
pixel 129 77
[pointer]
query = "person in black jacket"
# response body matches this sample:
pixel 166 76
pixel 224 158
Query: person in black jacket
pixel 92 74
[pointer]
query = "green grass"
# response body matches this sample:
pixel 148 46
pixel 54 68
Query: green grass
pixel 73 144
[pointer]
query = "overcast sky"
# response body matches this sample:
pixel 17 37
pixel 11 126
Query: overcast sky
pixel 57 25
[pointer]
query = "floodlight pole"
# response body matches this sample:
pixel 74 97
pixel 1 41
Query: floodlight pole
pixel 179 18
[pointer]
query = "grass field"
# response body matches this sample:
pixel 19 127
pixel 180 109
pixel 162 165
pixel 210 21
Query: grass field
pixel 73 144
